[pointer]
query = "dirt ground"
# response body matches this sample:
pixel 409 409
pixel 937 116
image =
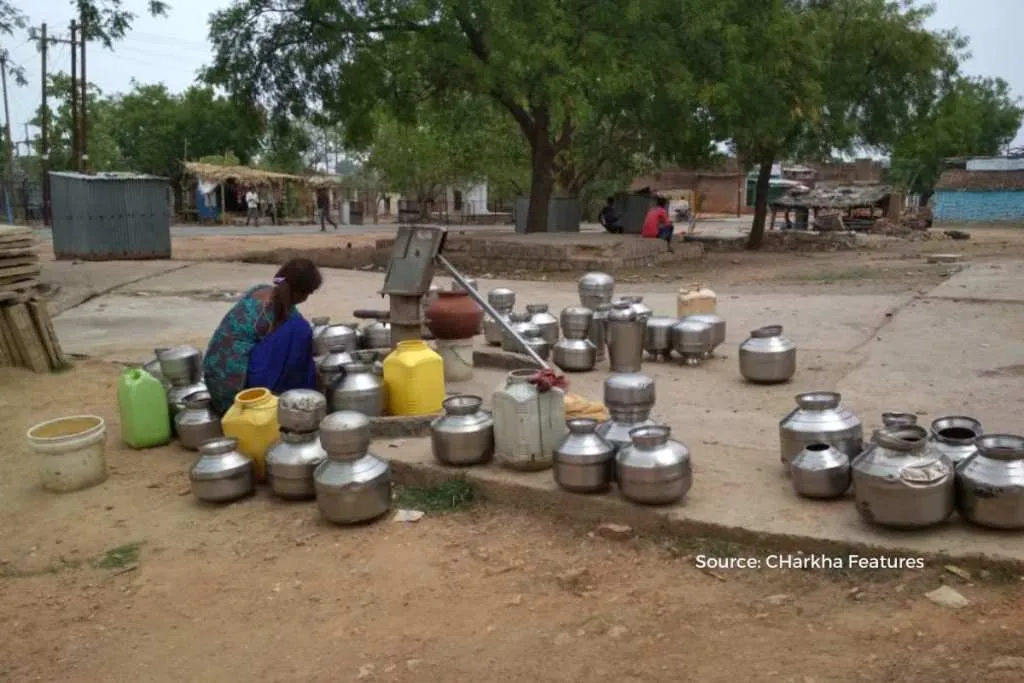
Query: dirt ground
pixel 133 580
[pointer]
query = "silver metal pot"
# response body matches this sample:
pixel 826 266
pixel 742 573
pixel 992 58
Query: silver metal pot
pixel 820 471
pixel 335 338
pixel 692 340
pixel 892 419
pixel 540 316
pixel 197 424
pixel 358 389
pixel 153 368
pixel 291 463
pixel 300 410
pixel 819 418
pixel 464 435
pixel 597 333
pixel 717 329
pixel 653 469
pixel 377 335
pixel 352 485
pixel 520 322
pixel 575 321
pixel 221 473
pixel 902 481
pixel 625 338
pixel 767 357
pixel 643 311
pixel 180 365
pixel 955 436
pixel 178 395
pixel 629 398
pixel 574 355
pixel 319 324
pixel 503 301
pixel 658 336
pixel 596 288
pixel 329 368
pixel 990 484
pixel 583 461
pixel 536 341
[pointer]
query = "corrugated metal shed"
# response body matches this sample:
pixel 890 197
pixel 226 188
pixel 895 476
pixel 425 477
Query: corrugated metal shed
pixel 563 214
pixel 110 216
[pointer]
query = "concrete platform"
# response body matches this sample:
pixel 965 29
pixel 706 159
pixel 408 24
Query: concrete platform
pixel 957 349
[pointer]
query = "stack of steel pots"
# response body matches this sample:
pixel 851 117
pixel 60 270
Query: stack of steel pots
pixel 536 341
pixel 990 484
pixel 221 474
pixel 575 353
pixel 819 418
pixel 595 289
pixel 329 368
pixel 767 357
pixel 352 485
pixel 182 370
pixel 540 316
pixel 464 435
pixel 520 322
pixel 625 338
pixel 658 336
pixel 629 397
pixel 358 389
pixel 503 301
pixel 292 460
pixel 903 481
pixel 643 311
pixel 197 424
pixel 584 461
pixel 692 340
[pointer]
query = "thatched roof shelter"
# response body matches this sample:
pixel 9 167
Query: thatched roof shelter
pixel 330 180
pixel 843 197
pixel 240 174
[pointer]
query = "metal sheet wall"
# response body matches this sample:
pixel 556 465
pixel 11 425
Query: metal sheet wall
pixel 563 214
pixel 110 216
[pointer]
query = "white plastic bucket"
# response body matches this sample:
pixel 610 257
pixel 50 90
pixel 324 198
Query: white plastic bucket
pixel 457 355
pixel 70 452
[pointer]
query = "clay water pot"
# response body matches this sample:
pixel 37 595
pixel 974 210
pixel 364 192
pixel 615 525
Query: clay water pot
pixel 454 315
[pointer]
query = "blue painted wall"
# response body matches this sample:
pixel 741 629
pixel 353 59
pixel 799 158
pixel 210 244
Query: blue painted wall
pixel 967 206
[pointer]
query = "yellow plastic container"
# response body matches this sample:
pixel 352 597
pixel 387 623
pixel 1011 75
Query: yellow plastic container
pixel 252 419
pixel 414 377
pixel 694 300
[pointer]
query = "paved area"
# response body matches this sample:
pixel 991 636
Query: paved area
pixel 956 349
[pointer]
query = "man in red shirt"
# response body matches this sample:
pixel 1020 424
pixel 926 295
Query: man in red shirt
pixel 657 224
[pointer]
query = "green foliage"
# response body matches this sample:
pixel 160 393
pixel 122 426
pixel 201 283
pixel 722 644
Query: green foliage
pixel 12 19
pixel 970 117
pixel 150 130
pixel 107 21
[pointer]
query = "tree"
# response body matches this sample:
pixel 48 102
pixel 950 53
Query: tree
pixel 968 117
pixel 11 19
pixel 104 154
pixel 107 21
pixel 561 71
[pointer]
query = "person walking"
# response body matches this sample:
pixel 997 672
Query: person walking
pixel 252 203
pixel 323 203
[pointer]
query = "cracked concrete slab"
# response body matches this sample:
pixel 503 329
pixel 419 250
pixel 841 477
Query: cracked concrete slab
pixel 78 281
pixel 999 281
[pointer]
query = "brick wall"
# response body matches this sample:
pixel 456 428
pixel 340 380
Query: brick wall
pixel 950 206
pixel 718 187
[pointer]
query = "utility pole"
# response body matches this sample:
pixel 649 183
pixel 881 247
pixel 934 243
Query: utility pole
pixel 84 118
pixel 7 120
pixel 44 134
pixel 74 98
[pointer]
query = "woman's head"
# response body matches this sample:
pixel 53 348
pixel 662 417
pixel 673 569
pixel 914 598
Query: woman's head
pixel 294 282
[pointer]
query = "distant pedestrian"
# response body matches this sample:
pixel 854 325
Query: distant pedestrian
pixel 657 224
pixel 323 203
pixel 610 219
pixel 252 203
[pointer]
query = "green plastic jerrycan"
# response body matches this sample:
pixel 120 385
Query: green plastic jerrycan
pixel 142 403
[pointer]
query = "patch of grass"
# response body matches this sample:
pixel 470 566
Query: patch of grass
pixel 116 558
pixel 10 572
pixel 451 495
pixel 65 366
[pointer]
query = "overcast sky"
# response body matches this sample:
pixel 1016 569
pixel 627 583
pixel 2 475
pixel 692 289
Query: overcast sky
pixel 171 49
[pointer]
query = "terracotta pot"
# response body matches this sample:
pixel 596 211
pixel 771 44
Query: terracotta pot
pixel 453 315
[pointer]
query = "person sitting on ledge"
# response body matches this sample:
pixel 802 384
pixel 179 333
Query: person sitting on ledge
pixel 657 224
pixel 610 219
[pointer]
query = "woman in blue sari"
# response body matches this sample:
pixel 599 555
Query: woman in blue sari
pixel 264 341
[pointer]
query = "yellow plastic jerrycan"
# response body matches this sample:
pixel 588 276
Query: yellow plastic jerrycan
pixel 694 300
pixel 414 377
pixel 252 419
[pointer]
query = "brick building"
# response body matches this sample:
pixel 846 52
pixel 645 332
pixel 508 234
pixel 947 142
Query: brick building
pixel 718 191
pixel 975 196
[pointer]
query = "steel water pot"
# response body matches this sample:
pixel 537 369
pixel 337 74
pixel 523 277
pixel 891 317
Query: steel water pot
pixel 902 480
pixel 955 436
pixel 583 461
pixel 990 484
pixel 358 389
pixel 658 336
pixel 352 485
pixel 520 322
pixel 221 474
pixel 540 315
pixel 538 343
pixel 692 340
pixel 653 469
pixel 625 338
pixel 181 365
pixel 464 435
pixel 574 355
pixel 643 311
pixel 820 470
pixel 335 338
pixel 718 328
pixel 597 333
pixel 178 395
pixel 820 418
pixel 893 419
pixel 197 424
pixel 300 410
pixel 575 321
pixel 767 357
pixel 595 288
pixel 291 463
pixel 503 301
pixel 329 368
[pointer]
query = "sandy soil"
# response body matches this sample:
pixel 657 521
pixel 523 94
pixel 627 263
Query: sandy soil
pixel 133 580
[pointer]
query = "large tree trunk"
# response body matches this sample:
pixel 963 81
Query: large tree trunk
pixel 542 180
pixel 764 176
